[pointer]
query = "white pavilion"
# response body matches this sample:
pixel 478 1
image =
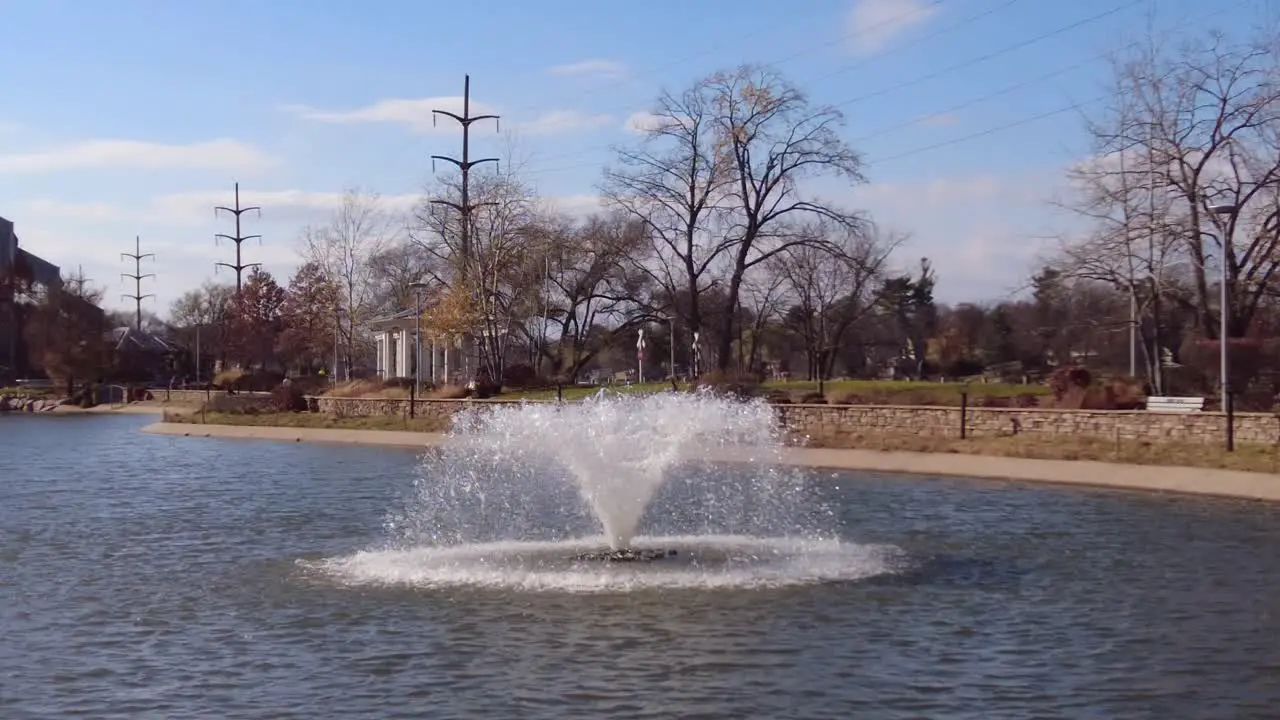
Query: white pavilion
pixel 393 337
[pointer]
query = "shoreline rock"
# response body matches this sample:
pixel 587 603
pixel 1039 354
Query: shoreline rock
pixel 17 403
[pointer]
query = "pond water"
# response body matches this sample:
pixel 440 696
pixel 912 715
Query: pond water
pixel 156 577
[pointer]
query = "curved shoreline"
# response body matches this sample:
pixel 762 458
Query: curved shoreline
pixel 1084 473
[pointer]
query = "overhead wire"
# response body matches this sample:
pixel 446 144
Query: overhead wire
pixel 979 99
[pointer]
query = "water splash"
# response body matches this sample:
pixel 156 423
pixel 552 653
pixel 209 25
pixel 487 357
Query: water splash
pixel 517 492
pixel 618 450
pixel 705 563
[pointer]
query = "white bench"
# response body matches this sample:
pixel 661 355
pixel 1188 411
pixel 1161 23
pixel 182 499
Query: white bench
pixel 1175 404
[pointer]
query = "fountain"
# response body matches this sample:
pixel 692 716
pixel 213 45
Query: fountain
pixel 531 496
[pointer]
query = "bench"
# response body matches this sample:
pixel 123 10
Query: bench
pixel 1175 404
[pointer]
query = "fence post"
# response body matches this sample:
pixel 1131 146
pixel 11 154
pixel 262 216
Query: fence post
pixel 964 411
pixel 1230 408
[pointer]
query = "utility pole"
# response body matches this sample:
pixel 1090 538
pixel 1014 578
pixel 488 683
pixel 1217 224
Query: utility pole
pixel 237 211
pixel 137 297
pixel 465 206
pixel 79 280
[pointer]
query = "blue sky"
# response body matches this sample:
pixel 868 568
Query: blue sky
pixel 135 118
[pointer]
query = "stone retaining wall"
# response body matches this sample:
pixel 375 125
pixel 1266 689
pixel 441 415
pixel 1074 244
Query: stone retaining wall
pixel 377 407
pixel 832 425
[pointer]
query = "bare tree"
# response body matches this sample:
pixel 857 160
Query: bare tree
pixel 1205 119
pixel 771 139
pixel 345 247
pixel 491 272
pixel 673 182
pixel 833 285
pixel 593 287
pixel 202 319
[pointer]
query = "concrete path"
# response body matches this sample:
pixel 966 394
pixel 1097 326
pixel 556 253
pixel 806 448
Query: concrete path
pixel 1159 478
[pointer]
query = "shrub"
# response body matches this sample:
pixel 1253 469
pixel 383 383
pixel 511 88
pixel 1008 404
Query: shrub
pixel 778 397
pixel 1026 400
pixel 963 367
pixel 450 392
pixel 813 398
pixel 288 397
pixel 849 399
pixel 732 384
pixel 311 384
pixel 369 387
pixel 398 382
pixel 226 379
pixel 993 401
pixel 1062 380
pixel 520 376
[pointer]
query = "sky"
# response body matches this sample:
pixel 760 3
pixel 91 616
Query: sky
pixel 133 119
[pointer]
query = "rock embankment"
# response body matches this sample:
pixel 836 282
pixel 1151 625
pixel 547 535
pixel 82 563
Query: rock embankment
pixel 19 403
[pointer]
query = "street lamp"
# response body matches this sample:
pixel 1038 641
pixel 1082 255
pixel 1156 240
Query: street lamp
pixel 417 288
pixel 671 340
pixel 1224 303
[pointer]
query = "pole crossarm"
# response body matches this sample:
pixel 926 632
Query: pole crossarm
pixel 137 276
pixel 239 266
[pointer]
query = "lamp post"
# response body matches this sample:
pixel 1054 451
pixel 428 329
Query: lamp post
pixel 417 288
pixel 671 337
pixel 1224 312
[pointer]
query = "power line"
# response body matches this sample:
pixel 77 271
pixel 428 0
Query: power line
pixel 990 131
pixel 809 49
pixel 237 211
pixel 936 73
pixel 137 297
pixel 980 99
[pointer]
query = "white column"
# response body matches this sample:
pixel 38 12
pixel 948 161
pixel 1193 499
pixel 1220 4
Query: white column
pixel 434 365
pixel 384 355
pixel 402 353
pixel 377 353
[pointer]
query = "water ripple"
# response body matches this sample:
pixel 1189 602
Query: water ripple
pixel 149 577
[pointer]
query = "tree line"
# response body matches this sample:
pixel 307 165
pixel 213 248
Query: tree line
pixel 713 238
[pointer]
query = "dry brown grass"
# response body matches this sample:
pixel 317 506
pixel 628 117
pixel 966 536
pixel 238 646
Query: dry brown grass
pixel 1249 457
pixel 368 388
pixel 311 420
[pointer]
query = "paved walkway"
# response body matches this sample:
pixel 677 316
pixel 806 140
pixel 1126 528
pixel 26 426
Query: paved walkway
pixel 1159 478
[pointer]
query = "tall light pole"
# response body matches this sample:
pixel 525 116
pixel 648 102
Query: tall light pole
pixel 417 288
pixel 671 337
pixel 1224 303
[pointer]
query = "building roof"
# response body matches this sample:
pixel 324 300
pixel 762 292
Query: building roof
pixel 132 339
pixel 42 271
pixel 393 320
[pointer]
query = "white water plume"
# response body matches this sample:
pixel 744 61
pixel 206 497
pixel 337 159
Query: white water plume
pixel 617 450
pixel 524 496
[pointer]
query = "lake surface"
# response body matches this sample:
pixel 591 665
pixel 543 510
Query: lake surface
pixel 154 577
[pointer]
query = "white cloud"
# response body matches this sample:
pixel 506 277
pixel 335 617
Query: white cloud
pixel 196 207
pixel 229 155
pixel 415 114
pixel 597 68
pixel 874 24
pixel 576 205
pixel 418 117
pixel 558 121
pixel 644 121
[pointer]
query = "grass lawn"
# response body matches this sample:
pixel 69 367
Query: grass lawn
pixel 868 392
pixel 1249 457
